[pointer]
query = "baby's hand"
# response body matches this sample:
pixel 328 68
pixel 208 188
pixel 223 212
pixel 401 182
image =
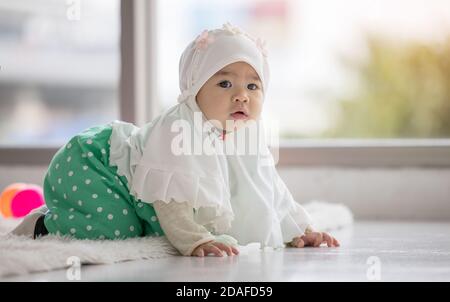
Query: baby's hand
pixel 215 248
pixel 314 239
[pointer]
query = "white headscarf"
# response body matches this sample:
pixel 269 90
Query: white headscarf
pixel 215 49
pixel 237 194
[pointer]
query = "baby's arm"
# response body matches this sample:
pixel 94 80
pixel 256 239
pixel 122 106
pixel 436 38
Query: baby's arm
pixel 187 236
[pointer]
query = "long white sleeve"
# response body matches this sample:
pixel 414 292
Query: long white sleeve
pixel 177 222
pixel 294 223
pixel 297 220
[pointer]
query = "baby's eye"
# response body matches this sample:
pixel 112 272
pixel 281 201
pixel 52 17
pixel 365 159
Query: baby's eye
pixel 252 86
pixel 225 84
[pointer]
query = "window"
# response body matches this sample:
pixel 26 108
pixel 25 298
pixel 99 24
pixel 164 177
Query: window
pixel 340 69
pixel 356 69
pixel 59 69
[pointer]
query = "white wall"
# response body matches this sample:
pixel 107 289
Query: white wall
pixel 420 194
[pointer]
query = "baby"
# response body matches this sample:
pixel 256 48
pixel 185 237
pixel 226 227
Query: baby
pixel 118 181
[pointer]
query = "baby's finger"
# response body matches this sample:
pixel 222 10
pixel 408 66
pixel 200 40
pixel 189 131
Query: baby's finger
pixel 199 252
pixel 298 242
pixel 328 239
pixel 335 242
pixel 235 250
pixel 311 239
pixel 213 249
pixel 319 240
pixel 224 247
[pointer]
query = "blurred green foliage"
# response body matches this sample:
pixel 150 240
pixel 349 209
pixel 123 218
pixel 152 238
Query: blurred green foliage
pixel 403 91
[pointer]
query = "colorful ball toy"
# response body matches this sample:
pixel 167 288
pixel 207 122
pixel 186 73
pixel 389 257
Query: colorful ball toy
pixel 18 199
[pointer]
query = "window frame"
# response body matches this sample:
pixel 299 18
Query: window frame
pixel 137 104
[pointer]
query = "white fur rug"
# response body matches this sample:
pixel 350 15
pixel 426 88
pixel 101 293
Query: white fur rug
pixel 21 255
pixel 329 216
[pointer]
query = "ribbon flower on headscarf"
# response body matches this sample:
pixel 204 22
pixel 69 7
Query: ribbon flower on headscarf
pixel 204 40
pixel 232 29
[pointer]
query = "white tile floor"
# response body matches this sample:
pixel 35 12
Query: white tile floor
pixel 399 251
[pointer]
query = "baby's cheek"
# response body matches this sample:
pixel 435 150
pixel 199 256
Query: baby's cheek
pixel 255 110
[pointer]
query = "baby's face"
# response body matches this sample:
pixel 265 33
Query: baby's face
pixel 234 93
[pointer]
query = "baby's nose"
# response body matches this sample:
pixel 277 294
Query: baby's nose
pixel 240 98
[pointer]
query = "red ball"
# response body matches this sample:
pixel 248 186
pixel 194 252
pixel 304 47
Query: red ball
pixel 26 200
pixel 6 197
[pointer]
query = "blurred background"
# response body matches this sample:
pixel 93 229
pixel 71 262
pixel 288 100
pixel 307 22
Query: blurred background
pixel 360 89
pixel 59 69
pixel 340 69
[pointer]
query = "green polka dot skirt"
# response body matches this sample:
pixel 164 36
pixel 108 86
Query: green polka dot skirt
pixel 86 197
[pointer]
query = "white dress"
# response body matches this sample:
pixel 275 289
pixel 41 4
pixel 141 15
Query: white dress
pixel 231 194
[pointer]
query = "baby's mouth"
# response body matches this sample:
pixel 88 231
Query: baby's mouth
pixel 239 115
